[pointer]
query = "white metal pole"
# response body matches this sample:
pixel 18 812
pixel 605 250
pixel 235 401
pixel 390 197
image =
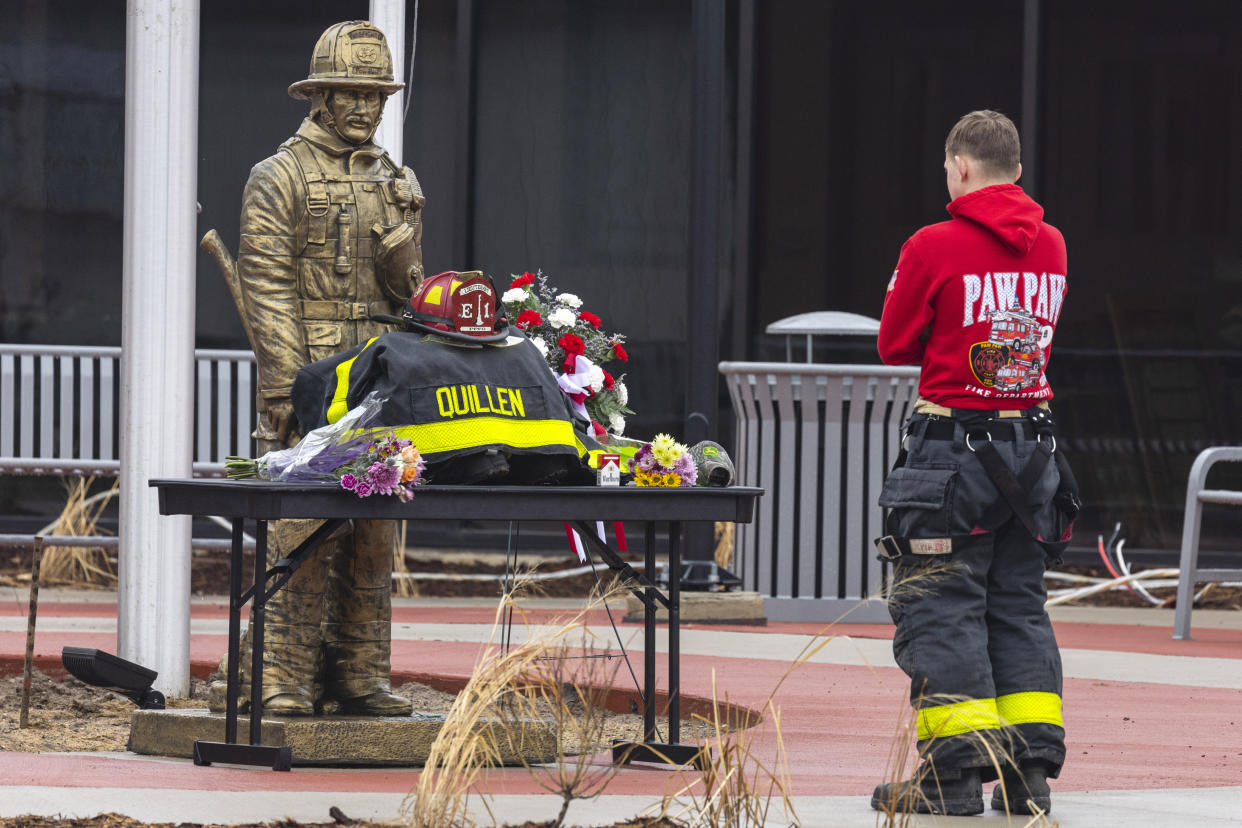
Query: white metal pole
pixel 389 17
pixel 157 333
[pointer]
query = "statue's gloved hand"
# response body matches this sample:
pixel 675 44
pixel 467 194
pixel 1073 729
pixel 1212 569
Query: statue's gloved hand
pixel 283 421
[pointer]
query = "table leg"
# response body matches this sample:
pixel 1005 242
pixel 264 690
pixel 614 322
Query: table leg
pixel 229 751
pixel 256 634
pixel 650 750
pixel 235 608
pixel 674 632
pixel 649 639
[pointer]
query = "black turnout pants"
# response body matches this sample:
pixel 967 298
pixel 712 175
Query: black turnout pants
pixel 972 632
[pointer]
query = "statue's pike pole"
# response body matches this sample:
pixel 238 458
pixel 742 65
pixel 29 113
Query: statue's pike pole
pixel 214 245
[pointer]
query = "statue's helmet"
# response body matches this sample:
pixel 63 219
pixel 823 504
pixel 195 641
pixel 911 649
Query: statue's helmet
pixel 351 55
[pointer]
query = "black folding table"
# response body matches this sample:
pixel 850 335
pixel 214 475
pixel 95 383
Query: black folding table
pixel 580 506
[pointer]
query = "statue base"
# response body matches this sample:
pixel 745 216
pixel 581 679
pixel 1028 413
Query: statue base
pixel 326 740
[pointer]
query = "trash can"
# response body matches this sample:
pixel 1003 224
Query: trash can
pixel 819 438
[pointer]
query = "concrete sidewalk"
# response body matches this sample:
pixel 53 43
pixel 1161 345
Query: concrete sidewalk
pixel 1154 726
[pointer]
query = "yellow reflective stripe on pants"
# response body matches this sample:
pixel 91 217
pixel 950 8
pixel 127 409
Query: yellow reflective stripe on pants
pixel 983 714
pixel 1026 708
pixel 953 719
pixel 483 431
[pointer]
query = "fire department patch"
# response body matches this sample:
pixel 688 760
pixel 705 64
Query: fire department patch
pixel 1012 359
pixel 986 360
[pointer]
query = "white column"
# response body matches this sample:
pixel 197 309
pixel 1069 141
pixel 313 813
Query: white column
pixel 157 333
pixel 389 17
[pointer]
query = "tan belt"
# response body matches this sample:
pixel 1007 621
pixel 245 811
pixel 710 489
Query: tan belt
pixel 331 311
pixel 922 406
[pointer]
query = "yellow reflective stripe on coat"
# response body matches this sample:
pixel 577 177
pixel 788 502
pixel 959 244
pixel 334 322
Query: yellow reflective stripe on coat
pixel 339 406
pixel 1027 708
pixel 452 435
pixel 952 719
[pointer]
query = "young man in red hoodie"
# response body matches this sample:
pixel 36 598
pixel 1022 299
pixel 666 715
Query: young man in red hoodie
pixel 980 501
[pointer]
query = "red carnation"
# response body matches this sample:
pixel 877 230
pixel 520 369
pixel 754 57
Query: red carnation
pixel 609 382
pixel 591 319
pixel 528 319
pixel 572 346
pixel 523 280
pixel 619 352
pixel 599 430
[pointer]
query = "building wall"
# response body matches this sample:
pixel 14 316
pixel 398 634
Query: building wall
pixel 581 167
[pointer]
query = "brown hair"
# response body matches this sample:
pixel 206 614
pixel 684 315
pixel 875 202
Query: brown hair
pixel 988 137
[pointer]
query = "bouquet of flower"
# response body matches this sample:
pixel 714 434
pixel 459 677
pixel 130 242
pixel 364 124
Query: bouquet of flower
pixel 575 346
pixel 664 462
pixel 362 459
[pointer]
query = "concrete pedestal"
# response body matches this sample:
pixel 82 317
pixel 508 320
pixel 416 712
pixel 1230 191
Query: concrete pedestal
pixel 707 608
pixel 323 740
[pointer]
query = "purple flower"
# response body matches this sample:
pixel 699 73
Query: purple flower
pixel 686 469
pixel 644 458
pixel 363 489
pixel 383 477
pixel 349 482
pixel 405 494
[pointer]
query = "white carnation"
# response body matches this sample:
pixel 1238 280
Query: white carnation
pixel 541 345
pixel 562 318
pixel 595 378
pixel 514 295
pixel 569 299
pixel 623 393
pixel 616 423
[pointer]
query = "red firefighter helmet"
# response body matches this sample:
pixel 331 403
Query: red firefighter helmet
pixel 462 306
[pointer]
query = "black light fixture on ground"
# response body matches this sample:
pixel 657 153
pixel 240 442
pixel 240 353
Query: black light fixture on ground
pixel 100 669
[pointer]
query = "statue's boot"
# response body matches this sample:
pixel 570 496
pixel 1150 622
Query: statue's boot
pixel 357 625
pixel 292 658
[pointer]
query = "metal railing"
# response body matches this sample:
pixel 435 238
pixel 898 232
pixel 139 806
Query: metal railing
pixel 60 409
pixel 1196 495
pixel 819 439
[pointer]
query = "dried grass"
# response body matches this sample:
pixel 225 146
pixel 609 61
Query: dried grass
pixel 571 691
pixel 738 785
pixel 405 586
pixel 80 565
pixel 515 688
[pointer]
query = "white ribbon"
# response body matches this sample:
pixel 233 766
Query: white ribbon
pixel 579 382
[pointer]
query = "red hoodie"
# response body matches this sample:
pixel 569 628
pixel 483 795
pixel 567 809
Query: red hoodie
pixel 976 300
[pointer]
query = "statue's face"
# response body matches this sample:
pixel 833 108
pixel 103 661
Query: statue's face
pixel 355 113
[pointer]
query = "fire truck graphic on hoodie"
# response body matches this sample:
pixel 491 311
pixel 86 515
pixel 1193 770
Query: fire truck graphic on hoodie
pixel 1012 358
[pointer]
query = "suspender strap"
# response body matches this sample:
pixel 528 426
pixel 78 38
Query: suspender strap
pixel 317 200
pixel 1013 490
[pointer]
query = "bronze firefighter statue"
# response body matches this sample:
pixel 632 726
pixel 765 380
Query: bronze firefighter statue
pixel 331 232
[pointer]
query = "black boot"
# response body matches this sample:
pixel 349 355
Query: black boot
pixel 1023 788
pixel 949 793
